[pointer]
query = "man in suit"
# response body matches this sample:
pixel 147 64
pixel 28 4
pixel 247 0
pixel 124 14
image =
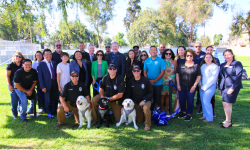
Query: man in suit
pixel 118 59
pixel 89 64
pixel 47 80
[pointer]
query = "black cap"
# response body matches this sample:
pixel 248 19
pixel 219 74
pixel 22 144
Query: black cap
pixel 112 65
pixel 136 66
pixel 74 72
pixel 136 46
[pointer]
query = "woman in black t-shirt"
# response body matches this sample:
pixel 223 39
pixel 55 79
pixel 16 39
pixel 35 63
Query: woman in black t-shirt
pixel 180 55
pixel 143 56
pixel 188 76
pixel 9 73
pixel 131 61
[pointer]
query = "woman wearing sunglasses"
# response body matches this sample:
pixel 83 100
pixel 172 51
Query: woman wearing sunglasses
pixel 188 76
pixel 99 69
pixel 142 58
pixel 11 68
pixel 171 66
pixel 131 62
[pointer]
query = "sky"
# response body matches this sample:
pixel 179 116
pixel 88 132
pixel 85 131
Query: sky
pixel 219 23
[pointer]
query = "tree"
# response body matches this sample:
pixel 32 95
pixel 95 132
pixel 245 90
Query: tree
pixel 132 12
pixel 205 41
pixel 217 38
pixel 119 39
pixel 106 40
pixel 240 24
pixel 99 13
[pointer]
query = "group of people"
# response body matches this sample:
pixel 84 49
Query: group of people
pixel 144 79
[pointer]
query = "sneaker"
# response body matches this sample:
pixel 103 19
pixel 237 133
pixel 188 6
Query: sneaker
pixel 24 120
pixel 188 118
pixel 214 115
pixel 199 111
pixel 67 115
pixel 182 116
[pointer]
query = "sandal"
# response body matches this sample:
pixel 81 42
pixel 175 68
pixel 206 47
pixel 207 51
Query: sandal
pixel 202 118
pixel 230 125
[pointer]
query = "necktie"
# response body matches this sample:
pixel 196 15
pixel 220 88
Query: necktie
pixel 52 71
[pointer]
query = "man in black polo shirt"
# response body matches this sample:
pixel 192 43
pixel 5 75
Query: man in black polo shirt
pixel 70 92
pixel 25 80
pixel 112 87
pixel 140 90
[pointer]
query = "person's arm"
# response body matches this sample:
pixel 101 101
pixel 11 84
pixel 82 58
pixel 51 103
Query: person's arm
pixel 145 73
pixel 65 107
pixel 92 72
pixel 212 79
pixel 7 74
pixel 178 82
pixel 145 69
pixel 19 87
pixel 101 91
pixel 238 76
pixel 116 96
pixel 195 84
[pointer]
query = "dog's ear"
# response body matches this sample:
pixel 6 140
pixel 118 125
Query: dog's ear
pixel 132 103
pixel 123 103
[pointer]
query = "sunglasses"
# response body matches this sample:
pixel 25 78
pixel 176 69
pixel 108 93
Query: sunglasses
pixel 18 56
pixel 189 56
pixel 197 46
pixel 74 76
pixel 112 68
pixel 58 45
pixel 144 55
pixel 168 53
pixel 99 55
pixel 107 46
pixel 136 70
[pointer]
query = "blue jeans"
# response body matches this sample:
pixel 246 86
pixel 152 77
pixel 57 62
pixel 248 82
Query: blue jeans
pixel 206 97
pixel 14 101
pixel 24 103
pixel 186 96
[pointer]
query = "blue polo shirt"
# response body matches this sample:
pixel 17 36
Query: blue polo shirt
pixel 199 58
pixel 154 68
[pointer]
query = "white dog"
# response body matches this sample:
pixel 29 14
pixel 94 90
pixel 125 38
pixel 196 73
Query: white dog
pixel 129 113
pixel 84 114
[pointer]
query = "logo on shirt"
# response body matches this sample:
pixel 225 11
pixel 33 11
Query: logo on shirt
pixel 156 62
pixel 27 77
pixel 115 87
pixel 132 86
pixel 80 89
pixel 142 86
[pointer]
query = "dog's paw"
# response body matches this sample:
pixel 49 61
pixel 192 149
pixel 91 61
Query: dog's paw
pixel 117 124
pixel 136 127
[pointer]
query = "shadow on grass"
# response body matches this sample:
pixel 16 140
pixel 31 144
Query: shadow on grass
pixel 5 104
pixel 13 147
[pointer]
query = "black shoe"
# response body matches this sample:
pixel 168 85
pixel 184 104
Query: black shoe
pixel 199 111
pixel 24 120
pixel 188 118
pixel 214 115
pixel 182 116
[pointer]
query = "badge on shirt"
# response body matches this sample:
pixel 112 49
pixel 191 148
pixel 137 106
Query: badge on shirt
pixel 142 86
pixel 80 89
pixel 183 67
pixel 115 87
pixel 156 62
pixel 230 66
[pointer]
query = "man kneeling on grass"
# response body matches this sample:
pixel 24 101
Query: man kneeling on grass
pixel 70 92
pixel 25 80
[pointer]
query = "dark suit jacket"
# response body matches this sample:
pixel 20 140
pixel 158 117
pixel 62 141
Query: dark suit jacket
pixel 231 77
pixel 120 63
pixel 44 75
pixel 85 56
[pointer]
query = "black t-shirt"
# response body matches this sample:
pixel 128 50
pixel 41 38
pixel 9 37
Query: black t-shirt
pixel 187 76
pixel 71 91
pixel 82 73
pixel 180 61
pixel 112 86
pixel 25 79
pixel 56 57
pixel 129 68
pixel 13 68
pixel 139 90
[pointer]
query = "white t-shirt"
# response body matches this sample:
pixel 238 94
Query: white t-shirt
pixel 64 73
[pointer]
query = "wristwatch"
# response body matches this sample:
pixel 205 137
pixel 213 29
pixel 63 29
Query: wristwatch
pixel 144 100
pixel 109 98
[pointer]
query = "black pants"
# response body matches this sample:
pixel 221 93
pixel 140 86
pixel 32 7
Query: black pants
pixel 51 98
pixel 198 101
pixel 213 102
pixel 156 103
pixel 94 91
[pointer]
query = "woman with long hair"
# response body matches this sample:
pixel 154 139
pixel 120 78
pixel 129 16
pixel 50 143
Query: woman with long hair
pixel 171 66
pixel 11 68
pixel 180 54
pixel 207 84
pixel 143 56
pixel 229 84
pixel 131 62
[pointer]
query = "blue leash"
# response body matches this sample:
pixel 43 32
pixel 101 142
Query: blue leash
pixel 98 85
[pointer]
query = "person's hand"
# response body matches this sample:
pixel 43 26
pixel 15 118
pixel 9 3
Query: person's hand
pixel 89 108
pixel 220 92
pixel 192 89
pixel 152 82
pixel 29 92
pixel 93 82
pixel 178 87
pixel 44 90
pixel 66 108
pixel 59 89
pixel 230 91
pixel 122 111
pixel 200 85
pixel 10 88
pixel 142 103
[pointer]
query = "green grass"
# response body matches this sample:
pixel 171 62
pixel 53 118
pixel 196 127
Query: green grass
pixel 40 132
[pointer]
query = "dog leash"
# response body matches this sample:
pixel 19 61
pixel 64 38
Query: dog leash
pixel 98 85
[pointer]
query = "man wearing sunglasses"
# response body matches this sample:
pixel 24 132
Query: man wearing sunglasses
pixel 68 98
pixel 107 48
pixel 140 90
pixel 56 55
pixel 112 87
pixel 199 55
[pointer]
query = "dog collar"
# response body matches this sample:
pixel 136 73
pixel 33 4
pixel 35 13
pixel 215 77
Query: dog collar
pixel 101 107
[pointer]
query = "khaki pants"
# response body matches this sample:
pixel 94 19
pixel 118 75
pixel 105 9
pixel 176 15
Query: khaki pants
pixel 61 113
pixel 115 107
pixel 147 113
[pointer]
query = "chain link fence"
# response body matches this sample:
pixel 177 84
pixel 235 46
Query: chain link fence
pixel 8 48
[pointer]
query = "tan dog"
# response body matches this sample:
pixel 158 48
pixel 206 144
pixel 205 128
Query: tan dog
pixel 129 113
pixel 84 114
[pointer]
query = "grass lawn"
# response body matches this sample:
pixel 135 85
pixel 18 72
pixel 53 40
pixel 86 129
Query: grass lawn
pixel 40 132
